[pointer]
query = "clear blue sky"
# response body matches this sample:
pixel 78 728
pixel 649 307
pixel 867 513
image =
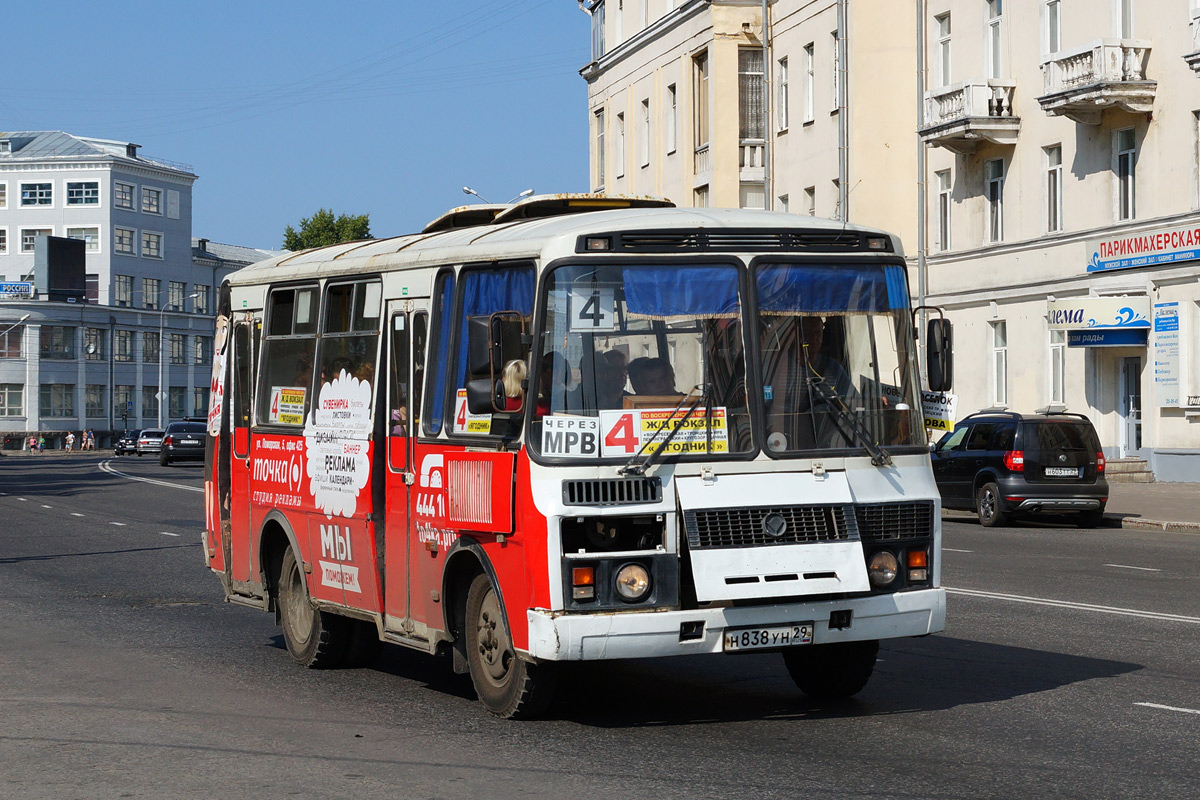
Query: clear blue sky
pixel 281 108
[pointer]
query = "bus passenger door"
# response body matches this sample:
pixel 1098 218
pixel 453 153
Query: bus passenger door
pixel 239 419
pixel 406 354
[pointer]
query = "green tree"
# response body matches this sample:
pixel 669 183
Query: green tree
pixel 322 229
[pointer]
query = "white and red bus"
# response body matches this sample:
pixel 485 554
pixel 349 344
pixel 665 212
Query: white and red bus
pixel 578 428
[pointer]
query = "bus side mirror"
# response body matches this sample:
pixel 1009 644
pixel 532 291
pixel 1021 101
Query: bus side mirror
pixel 939 354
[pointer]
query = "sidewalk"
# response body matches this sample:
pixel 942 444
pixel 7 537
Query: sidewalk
pixel 1154 506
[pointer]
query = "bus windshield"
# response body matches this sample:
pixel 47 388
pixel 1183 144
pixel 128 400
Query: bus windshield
pixel 640 358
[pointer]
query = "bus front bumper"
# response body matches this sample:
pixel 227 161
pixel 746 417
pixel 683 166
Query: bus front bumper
pixel 557 636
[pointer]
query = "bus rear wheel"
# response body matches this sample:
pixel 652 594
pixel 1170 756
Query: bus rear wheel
pixel 832 671
pixel 507 686
pixel 314 638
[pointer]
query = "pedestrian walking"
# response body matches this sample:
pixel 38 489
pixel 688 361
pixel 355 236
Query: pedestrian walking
pixel 70 441
pixel 89 440
pixel 33 444
pixel 41 444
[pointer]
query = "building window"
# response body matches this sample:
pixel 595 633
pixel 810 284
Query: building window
pixel 3 241
pixel 752 195
pixel 618 22
pixel 1058 354
pixel 619 148
pixel 750 94
pixel 57 400
pixel 91 287
pixel 123 346
pixel 202 352
pixel 178 346
pixel 836 43
pixel 12 400
pixel 151 201
pixel 1126 150
pixel 598 117
pixel 200 400
pixel 90 236
pixel 995 42
pixel 945 189
pixel 93 344
pixel 810 201
pixel 782 203
pixel 93 400
pixel 943 50
pixel 597 31
pixel 29 237
pixel 1054 193
pixel 994 176
pixel 175 293
pixel 123 401
pixel 700 100
pixel 3 194
pixel 672 119
pixel 149 347
pixel 123 195
pixel 123 290
pixel 200 296
pixel 810 83
pixel 151 245
pixel 149 292
pixel 84 193
pixel 149 402
pixel 37 194
pixel 781 95
pixel 999 376
pixel 176 402
pixel 1053 29
pixel 644 135
pixel 10 342
pixel 700 197
pixel 57 342
pixel 1125 23
pixel 123 241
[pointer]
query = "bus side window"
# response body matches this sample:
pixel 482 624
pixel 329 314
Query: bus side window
pixel 420 334
pixel 399 398
pixel 242 373
pixel 350 333
pixel 288 352
pixel 435 398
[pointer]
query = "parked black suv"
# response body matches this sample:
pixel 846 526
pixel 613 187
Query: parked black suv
pixel 1003 464
pixel 182 441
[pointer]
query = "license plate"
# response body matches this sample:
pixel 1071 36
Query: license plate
pixel 768 636
pixel 1063 472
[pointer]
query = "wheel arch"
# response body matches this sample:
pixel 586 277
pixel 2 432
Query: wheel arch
pixel 464 561
pixel 275 537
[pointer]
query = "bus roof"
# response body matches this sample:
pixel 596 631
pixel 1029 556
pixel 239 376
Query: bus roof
pixel 549 237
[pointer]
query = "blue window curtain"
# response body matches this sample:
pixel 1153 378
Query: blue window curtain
pixel 669 292
pixel 830 290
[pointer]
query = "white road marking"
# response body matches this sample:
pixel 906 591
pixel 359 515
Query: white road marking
pixel 952 550
pixel 1169 708
pixel 46 506
pixel 22 499
pixel 1040 601
pixel 121 524
pixel 76 514
pixel 106 466
pixel 1126 566
pixel 168 533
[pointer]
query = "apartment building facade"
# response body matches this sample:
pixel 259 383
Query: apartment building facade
pixel 1046 184
pixel 136 349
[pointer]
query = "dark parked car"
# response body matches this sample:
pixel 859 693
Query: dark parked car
pixel 149 441
pixel 182 441
pixel 127 443
pixel 1002 464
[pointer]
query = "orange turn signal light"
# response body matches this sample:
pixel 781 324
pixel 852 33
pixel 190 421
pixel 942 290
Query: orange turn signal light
pixel 917 559
pixel 583 576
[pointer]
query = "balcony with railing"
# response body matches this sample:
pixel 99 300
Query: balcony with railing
pixel 1108 73
pixel 752 153
pixel 960 116
pixel 1193 58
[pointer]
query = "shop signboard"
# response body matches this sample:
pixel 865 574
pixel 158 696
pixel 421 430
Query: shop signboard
pixel 16 290
pixel 1166 355
pixel 1146 249
pixel 1099 313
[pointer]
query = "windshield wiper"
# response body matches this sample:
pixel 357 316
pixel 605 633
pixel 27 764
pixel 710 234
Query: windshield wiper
pixel 879 456
pixel 640 469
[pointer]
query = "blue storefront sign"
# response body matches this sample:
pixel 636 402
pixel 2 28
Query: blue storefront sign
pixel 16 290
pixel 1153 249
pixel 1135 337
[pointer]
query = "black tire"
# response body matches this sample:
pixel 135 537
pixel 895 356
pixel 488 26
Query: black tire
pixel 832 671
pixel 163 461
pixel 365 645
pixel 315 639
pixel 987 506
pixel 507 686
pixel 139 452
pixel 1091 519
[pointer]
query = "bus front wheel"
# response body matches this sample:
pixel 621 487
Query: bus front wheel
pixel 832 671
pixel 507 686
pixel 314 638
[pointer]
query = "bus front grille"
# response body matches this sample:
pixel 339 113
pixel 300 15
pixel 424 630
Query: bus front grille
pixel 888 522
pixel 750 527
pixel 612 491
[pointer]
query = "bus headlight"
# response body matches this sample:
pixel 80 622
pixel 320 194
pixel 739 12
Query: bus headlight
pixel 882 568
pixel 633 582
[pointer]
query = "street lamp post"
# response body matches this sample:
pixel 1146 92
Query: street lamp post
pixel 15 324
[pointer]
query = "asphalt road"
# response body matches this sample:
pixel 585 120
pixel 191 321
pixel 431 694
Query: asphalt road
pixel 1069 668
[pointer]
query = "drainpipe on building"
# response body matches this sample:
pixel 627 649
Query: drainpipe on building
pixel 922 244
pixel 843 122
pixel 768 128
pixel 112 379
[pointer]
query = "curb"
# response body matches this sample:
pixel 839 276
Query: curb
pixel 1114 520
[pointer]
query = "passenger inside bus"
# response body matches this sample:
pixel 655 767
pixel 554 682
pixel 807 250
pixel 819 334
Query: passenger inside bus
pixel 553 392
pixel 514 388
pixel 652 376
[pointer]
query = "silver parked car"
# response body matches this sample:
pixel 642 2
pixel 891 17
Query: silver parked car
pixel 150 441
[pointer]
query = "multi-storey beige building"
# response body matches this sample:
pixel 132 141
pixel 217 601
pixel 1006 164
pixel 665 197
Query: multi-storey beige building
pixel 1054 155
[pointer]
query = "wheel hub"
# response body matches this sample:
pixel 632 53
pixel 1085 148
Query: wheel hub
pixel 494 648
